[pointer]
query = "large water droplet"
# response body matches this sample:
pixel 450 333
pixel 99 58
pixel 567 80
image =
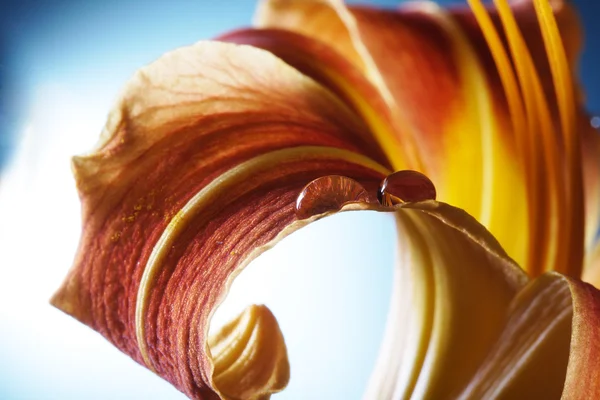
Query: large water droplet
pixel 405 186
pixel 328 193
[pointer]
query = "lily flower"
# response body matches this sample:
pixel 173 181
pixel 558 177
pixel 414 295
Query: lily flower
pixel 217 151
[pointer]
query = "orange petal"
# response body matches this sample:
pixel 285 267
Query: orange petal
pixel 427 72
pixel 544 141
pixel 196 173
pixel 420 76
pixel 328 67
pixel 435 72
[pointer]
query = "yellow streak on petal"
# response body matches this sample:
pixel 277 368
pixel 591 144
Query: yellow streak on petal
pixel 548 200
pixel 401 155
pixel 249 356
pixel 574 226
pixel 518 117
pixel 390 145
pixel 507 76
pixel 476 142
pixel 215 192
pixel 467 136
pixel 560 70
pixel 553 253
pixel 401 152
pixel 555 238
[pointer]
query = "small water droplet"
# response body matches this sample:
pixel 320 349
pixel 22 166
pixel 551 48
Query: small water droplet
pixel 405 186
pixel 595 122
pixel 328 193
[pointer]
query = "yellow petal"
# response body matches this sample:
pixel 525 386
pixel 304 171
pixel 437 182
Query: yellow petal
pixel 249 356
pixel 452 288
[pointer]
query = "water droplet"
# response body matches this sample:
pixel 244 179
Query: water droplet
pixel 595 122
pixel 405 186
pixel 328 193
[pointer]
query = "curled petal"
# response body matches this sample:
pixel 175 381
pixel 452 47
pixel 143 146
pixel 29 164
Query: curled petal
pixel 432 348
pixel 532 339
pixel 182 190
pixel 249 356
pixel 208 107
pixel 531 355
pixel 200 166
pixel 549 345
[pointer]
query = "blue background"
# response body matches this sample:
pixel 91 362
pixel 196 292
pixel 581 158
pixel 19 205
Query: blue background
pixel 62 63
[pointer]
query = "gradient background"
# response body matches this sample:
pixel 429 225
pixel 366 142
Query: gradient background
pixel 62 64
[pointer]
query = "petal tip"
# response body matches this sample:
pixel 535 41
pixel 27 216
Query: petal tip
pixel 249 356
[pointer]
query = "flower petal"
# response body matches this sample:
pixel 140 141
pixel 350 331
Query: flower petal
pixel 322 63
pixel 517 340
pixel 531 355
pixel 583 372
pixel 459 284
pixel 436 86
pixel 196 173
pixel 543 44
pixel 367 37
pixel 443 87
pixel 549 345
pixel 170 220
pixel 208 107
pixel 249 356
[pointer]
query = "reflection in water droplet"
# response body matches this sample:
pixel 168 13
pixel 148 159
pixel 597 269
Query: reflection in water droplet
pixel 328 193
pixel 405 186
